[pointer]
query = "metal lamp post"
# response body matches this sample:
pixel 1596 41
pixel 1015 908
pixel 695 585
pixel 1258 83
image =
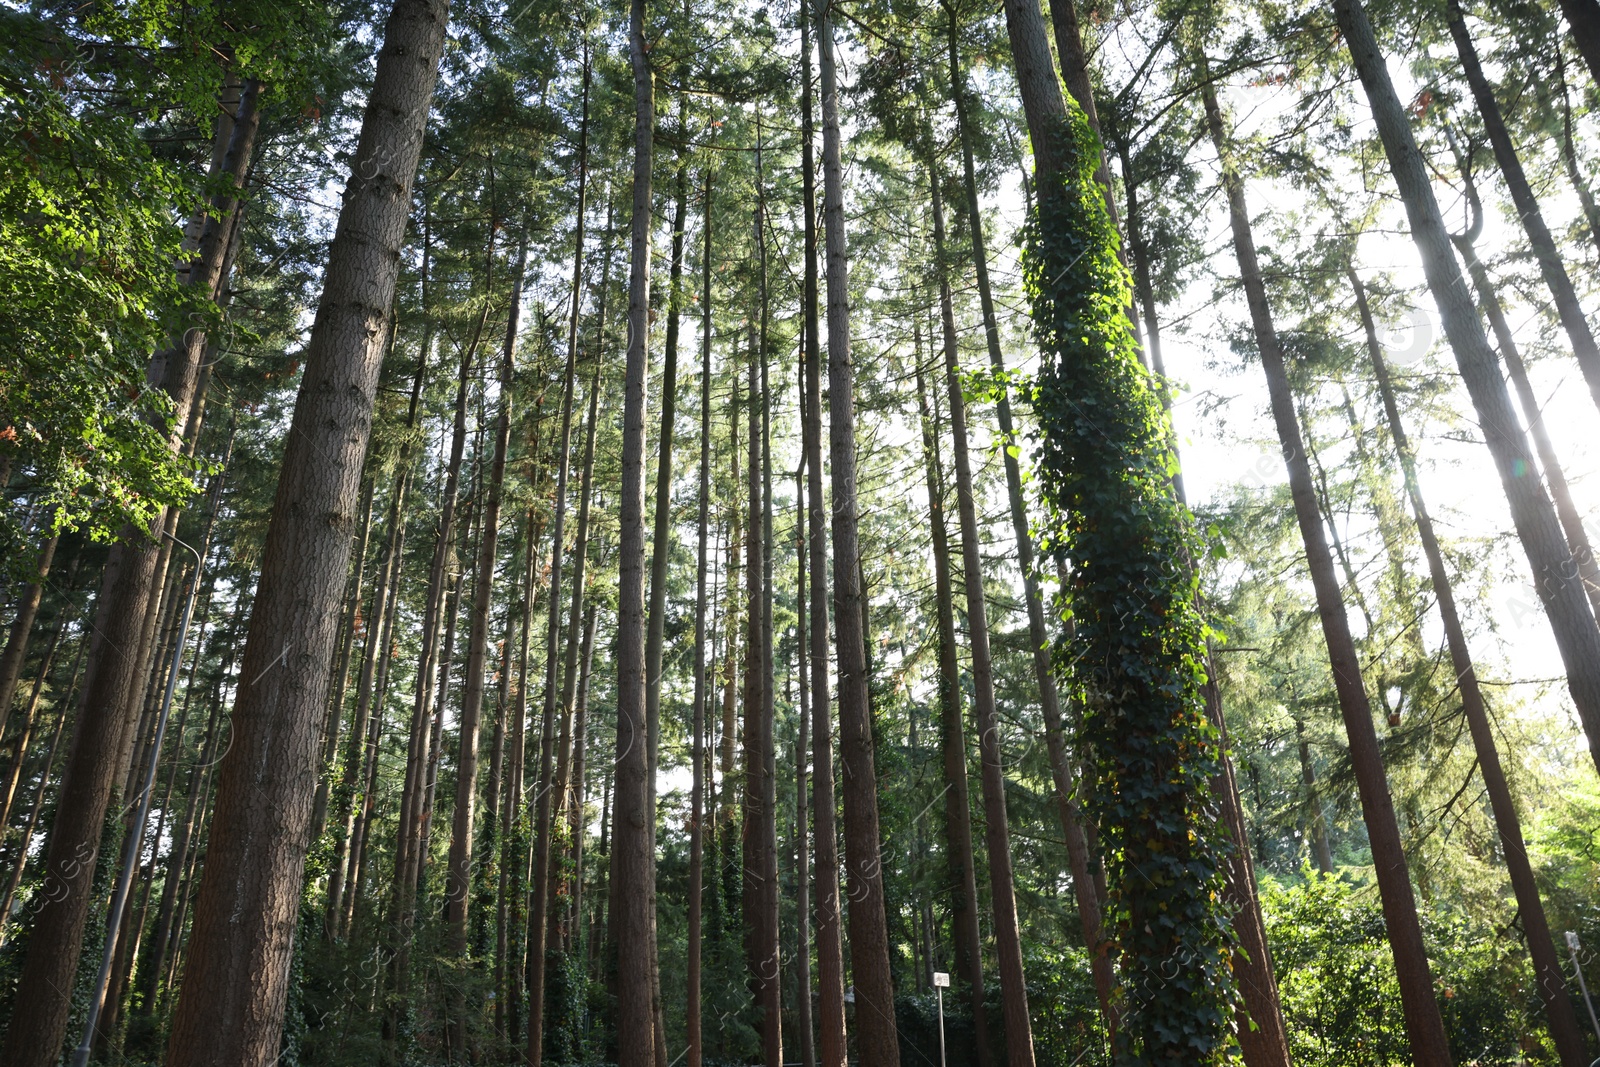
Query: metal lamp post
pixel 1572 947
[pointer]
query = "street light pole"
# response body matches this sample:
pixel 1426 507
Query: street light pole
pixel 1572 947
pixel 941 982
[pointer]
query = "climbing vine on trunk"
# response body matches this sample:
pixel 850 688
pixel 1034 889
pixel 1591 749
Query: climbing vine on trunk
pixel 1134 660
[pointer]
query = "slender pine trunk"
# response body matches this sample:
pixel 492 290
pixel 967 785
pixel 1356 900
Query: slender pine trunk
pixel 1551 983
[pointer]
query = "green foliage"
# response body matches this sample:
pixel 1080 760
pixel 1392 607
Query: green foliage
pixel 87 256
pixel 1341 1000
pixel 1135 662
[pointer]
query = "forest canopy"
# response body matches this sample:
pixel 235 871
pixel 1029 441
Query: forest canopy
pixel 839 532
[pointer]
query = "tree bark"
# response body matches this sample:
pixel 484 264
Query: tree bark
pixel 633 841
pixel 831 1046
pixel 236 980
pixel 1555 577
pixel 878 1041
pixel 953 745
pixel 96 755
pixel 1505 153
pixel 1568 1039
pixel 1583 19
pixel 1424 1025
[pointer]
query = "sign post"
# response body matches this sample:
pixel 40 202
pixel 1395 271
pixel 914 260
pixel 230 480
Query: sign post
pixel 941 982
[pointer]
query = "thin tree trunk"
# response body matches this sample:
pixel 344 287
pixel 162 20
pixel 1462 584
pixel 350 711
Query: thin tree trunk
pixel 30 721
pixel 633 845
pixel 986 720
pixel 1559 586
pixel 1546 963
pixel 802 827
pixel 236 979
pixel 373 657
pixel 695 1053
pixel 21 626
pixel 1551 268
pixel 1555 476
pixel 537 932
pixel 1424 1026
pixel 831 1045
pixel 458 876
pixel 953 744
pixel 574 692
pixel 655 620
pixel 878 1040
pixel 96 755
pixel 333 720
pixel 45 777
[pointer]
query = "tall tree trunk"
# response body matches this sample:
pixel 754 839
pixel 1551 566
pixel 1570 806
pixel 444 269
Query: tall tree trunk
pixel 831 1047
pixel 633 844
pixel 1583 18
pixel 1505 153
pixel 1424 1026
pixel 458 875
pixel 1560 588
pixel 96 755
pixel 1546 963
pixel 333 719
pixel 953 744
pixel 544 790
pixel 236 980
pixel 878 1040
pixel 20 863
pixel 1080 855
pixel 21 627
pixel 1555 476
pixel 574 693
pixel 655 619
pixel 759 899
pixel 802 822
pixel 986 720
pixel 695 1053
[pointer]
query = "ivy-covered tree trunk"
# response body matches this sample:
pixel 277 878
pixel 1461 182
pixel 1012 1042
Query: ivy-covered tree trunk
pixel 1424 1025
pixel 1086 887
pixel 1138 648
pixel 1548 976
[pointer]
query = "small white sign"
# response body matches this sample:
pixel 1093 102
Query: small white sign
pixel 941 980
